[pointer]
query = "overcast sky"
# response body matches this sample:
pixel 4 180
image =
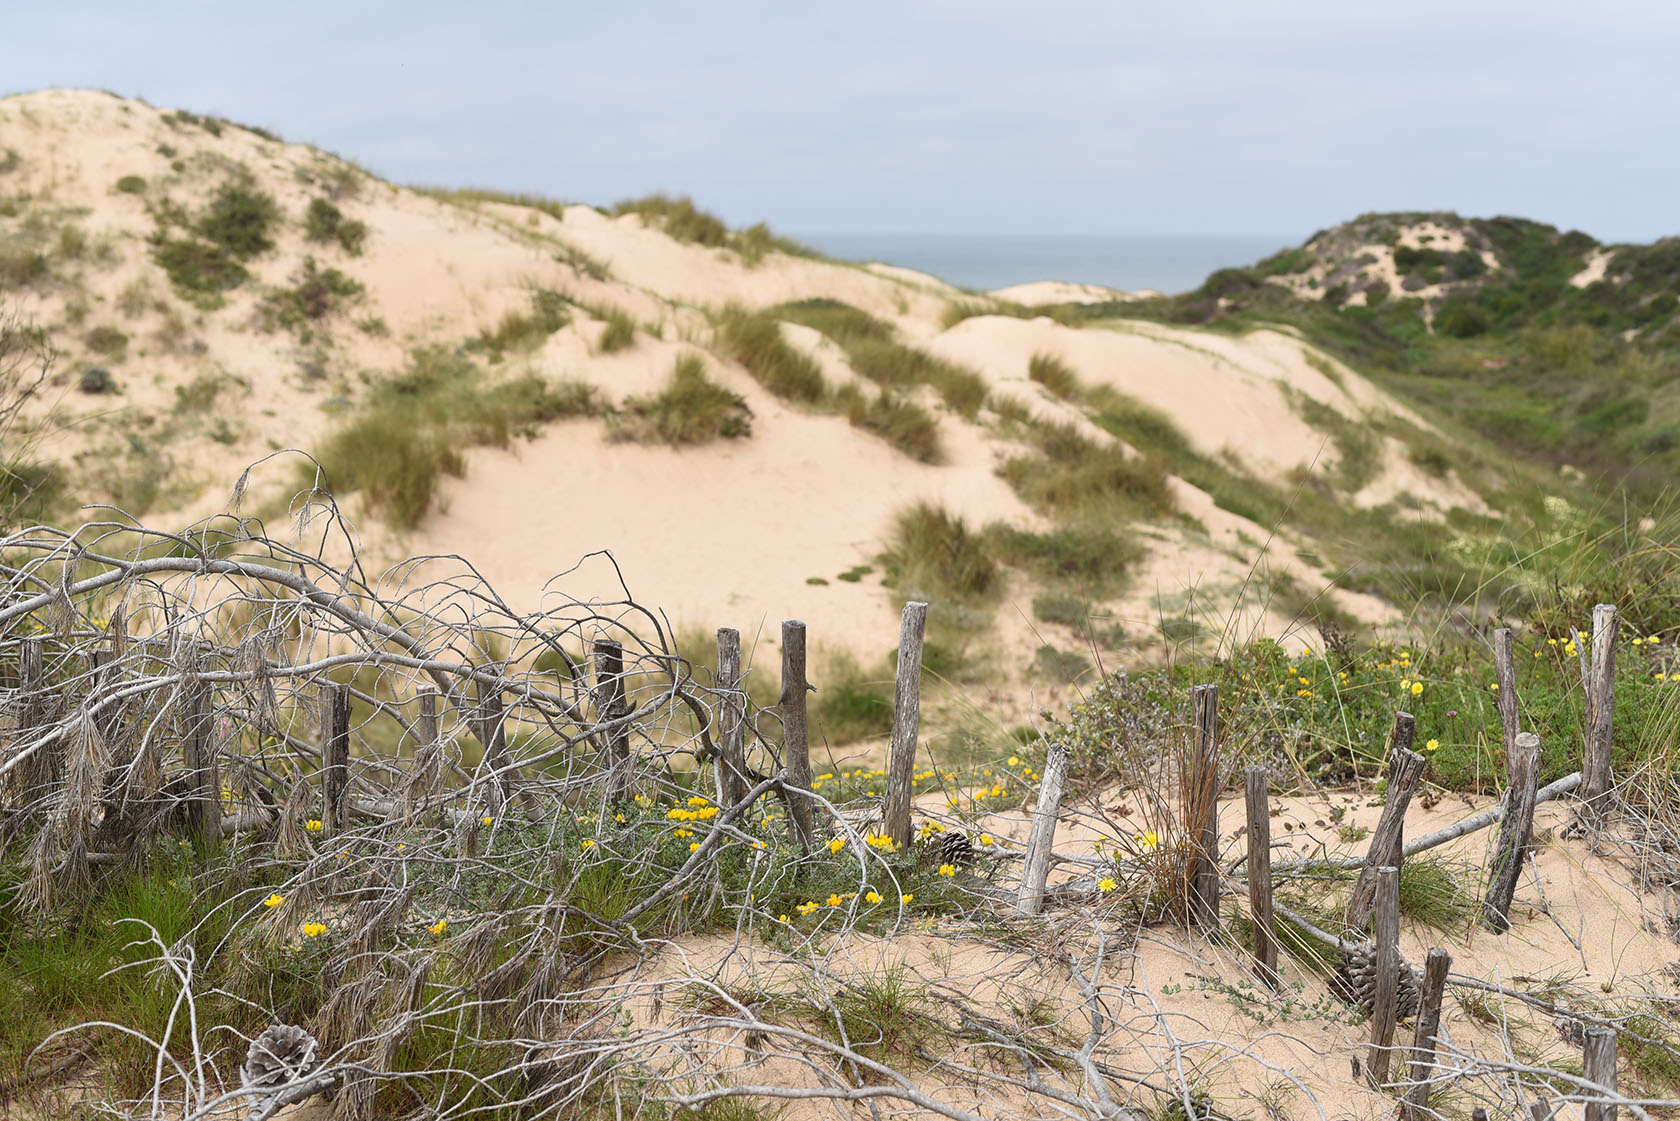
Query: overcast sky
pixel 1239 117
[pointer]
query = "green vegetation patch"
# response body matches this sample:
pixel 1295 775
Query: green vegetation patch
pixel 681 220
pixel 323 222
pixel 754 339
pixel 689 409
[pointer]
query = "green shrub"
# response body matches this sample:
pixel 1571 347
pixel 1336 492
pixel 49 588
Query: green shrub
pixel 1461 319
pixel 198 267
pixel 1073 476
pixel 899 421
pixel 840 321
pixel 131 185
pixel 72 242
pixel 315 294
pixel 107 341
pixel 933 553
pixel 754 339
pixel 689 409
pixel 324 222
pixel 620 332
pixel 21 266
pixel 97 379
pixel 893 365
pixel 525 331
pixel 1053 374
pixel 240 220
pixel 1091 555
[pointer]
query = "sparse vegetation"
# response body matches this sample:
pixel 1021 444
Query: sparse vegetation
pixel 680 219
pixel 689 409
pixel 315 295
pixel 324 223
pixel 131 185
pixel 619 332
pixel 521 332
pixel 754 340
pixel 1053 374
pixel 897 420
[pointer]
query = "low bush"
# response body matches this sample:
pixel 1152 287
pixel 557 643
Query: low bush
pixel 131 185
pixel 1053 374
pixel 241 220
pixel 198 267
pixel 620 332
pixel 95 380
pixel 689 409
pixel 1092 556
pixel 1073 477
pixel 897 420
pixel 324 222
pixel 893 365
pixel 315 295
pixel 754 339
pixel 933 553
pixel 525 331
pixel 107 341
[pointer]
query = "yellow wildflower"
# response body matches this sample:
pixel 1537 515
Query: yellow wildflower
pixel 837 844
pixel 311 929
pixel 438 928
pixel 1150 839
pixel 1014 760
pixel 1493 687
pixel 1405 683
pixel 758 844
pixel 694 846
pixel 1432 745
pixel 699 801
pixel 1106 885
pixel 781 918
pixel 486 819
pixel 907 897
pixel 1303 692
pixel 1417 688
pixel 834 900
pixel 313 825
pixel 274 900
pixel 873 897
pixel 985 838
pixel 947 869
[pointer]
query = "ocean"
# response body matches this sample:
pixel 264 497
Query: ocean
pixel 1165 263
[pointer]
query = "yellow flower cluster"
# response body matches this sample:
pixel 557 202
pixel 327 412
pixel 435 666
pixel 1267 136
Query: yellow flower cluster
pixel 313 825
pixel 837 844
pixel 947 869
pixel 438 928
pixel 881 841
pixel 1432 745
pixel 1415 688
pixel 806 907
pixel 313 929
pixel 872 896
pixel 680 814
pixel 929 828
pixel 274 900
pixel 1106 885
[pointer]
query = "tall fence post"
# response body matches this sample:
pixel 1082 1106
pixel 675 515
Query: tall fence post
pixel 1415 1106
pixel 1599 1054
pixel 1201 810
pixel 44 769
pixel 1601 709
pixel 610 706
pixel 1505 673
pixel 422 788
pixel 732 760
pixel 1515 829
pixel 1405 768
pixel 1385 1006
pixel 198 752
pixel 1260 873
pixel 796 745
pixel 907 702
pixel 335 759
pixel 1035 867
pixel 492 733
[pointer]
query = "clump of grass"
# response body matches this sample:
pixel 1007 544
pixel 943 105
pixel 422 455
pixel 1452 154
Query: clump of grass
pixel 754 339
pixel 323 222
pixel 21 265
pixel 897 420
pixel 131 185
pixel 681 220
pixel 1072 476
pixel 1091 555
pixel 851 704
pixel 241 220
pixel 315 295
pixel 840 321
pixel 1053 374
pixel 107 341
pixel 893 365
pixel 934 553
pixel 414 426
pixel 689 409
pixel 620 332
pixel 206 259
pixel 525 331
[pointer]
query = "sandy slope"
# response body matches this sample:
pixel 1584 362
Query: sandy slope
pixel 727 533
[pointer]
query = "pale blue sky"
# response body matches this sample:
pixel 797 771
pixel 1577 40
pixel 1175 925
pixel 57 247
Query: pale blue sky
pixel 1275 117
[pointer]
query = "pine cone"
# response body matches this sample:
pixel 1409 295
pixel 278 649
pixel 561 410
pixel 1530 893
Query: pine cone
pixel 1355 981
pixel 281 1054
pixel 956 848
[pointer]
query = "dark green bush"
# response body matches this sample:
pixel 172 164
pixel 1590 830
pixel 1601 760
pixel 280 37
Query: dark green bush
pixel 97 379
pixel 131 185
pixel 689 409
pixel 1462 319
pixel 314 295
pixel 195 266
pixel 240 220
pixel 324 222
pixel 932 552
pixel 108 341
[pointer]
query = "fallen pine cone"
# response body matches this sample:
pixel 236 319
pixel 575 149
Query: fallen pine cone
pixel 1355 981
pixel 280 1055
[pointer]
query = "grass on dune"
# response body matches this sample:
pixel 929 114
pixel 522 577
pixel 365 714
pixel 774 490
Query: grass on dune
pixel 875 351
pixel 689 409
pixel 897 420
pixel 755 340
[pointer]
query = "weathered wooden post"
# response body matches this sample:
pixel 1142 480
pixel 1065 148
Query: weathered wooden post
pixel 907 703
pixel 44 769
pixel 796 746
pixel 1505 673
pixel 610 706
pixel 492 733
pixel 1035 868
pixel 1415 1106
pixel 1405 768
pixel 1201 810
pixel 1260 873
pixel 1515 829
pixel 732 714
pixel 1601 710
pixel 422 788
pixel 198 753
pixel 335 759
pixel 1600 1069
pixel 1385 1006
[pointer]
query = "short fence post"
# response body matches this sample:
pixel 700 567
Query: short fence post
pixel 1260 873
pixel 335 759
pixel 1515 829
pixel 1599 1054
pixel 1386 1004
pixel 43 771
pixel 428 759
pixel 796 745
pixel 1035 868
pixel 1505 673
pixel 732 761
pixel 1201 809
pixel 1415 1106
pixel 907 700
pixel 1601 710
pixel 610 706
pixel 1405 768
pixel 198 752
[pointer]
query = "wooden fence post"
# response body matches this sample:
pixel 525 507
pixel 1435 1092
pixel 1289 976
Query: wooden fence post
pixel 492 733
pixel 1600 1069
pixel 796 745
pixel 1260 873
pixel 1201 810
pixel 610 706
pixel 335 759
pixel 1385 1006
pixel 1515 829
pixel 1415 1106
pixel 1405 768
pixel 1035 867
pixel 422 788
pixel 1601 710
pixel 44 770
pixel 907 701
pixel 732 710
pixel 1505 673
pixel 198 752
